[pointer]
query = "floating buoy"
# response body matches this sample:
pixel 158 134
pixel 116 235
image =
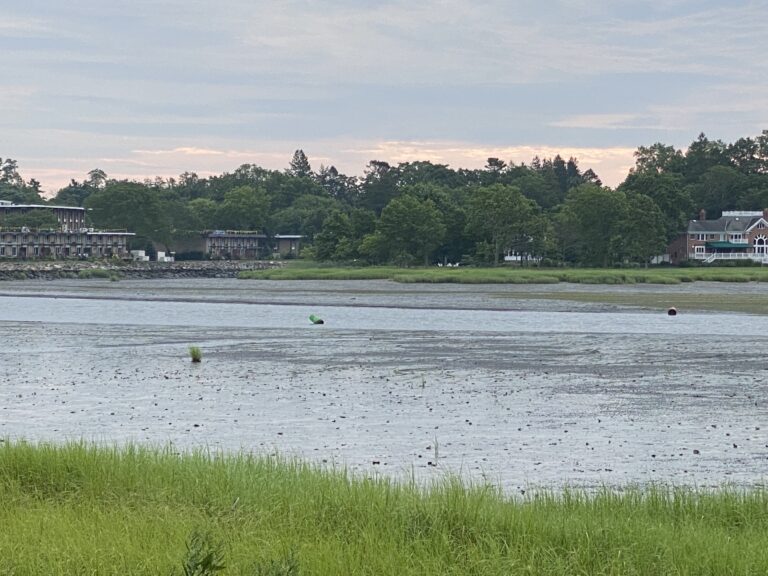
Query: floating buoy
pixel 672 311
pixel 316 320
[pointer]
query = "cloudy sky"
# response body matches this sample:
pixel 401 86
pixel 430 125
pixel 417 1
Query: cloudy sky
pixel 146 88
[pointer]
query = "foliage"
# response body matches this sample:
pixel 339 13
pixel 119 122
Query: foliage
pixel 35 219
pixel 410 229
pixel 204 556
pixel 79 509
pixel 550 208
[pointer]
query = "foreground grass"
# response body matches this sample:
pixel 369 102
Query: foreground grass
pixel 79 509
pixel 514 275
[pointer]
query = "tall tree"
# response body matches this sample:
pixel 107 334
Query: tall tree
pixel 299 165
pixel 644 232
pixel 499 214
pixel 591 224
pixel 411 228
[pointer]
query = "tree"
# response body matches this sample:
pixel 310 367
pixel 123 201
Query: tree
pixel 379 186
pixel 299 165
pixel 334 241
pixel 305 216
pixel 591 223
pixel 498 214
pixel 204 211
pixel 337 185
pixel 668 192
pixel 244 208
pixel 36 219
pixel 411 229
pixel 97 179
pixel 658 158
pixel 719 188
pixel 644 230
pixel 130 206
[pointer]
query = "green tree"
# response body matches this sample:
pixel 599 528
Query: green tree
pixel 204 211
pixel 499 214
pixel 643 230
pixel 305 216
pixel 36 219
pixel 299 165
pixel 335 242
pixel 412 229
pixel 133 207
pixel 657 159
pixel 669 193
pixel 244 208
pixel 719 188
pixel 379 186
pixel 591 225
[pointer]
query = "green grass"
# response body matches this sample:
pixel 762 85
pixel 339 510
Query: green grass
pixel 195 354
pixel 507 275
pixel 104 273
pixel 78 509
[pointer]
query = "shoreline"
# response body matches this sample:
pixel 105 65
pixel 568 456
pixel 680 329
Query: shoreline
pixel 54 270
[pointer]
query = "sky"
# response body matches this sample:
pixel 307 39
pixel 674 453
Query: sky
pixel 147 88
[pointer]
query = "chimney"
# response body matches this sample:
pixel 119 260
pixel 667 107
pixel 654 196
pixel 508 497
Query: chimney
pixel 765 214
pixel 702 214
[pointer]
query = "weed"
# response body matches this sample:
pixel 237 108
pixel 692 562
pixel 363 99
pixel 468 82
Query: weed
pixel 204 556
pixel 195 353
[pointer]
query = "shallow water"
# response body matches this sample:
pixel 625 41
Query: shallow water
pixel 517 392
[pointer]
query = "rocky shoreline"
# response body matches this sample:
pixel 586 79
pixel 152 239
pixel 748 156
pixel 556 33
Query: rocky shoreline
pixel 54 270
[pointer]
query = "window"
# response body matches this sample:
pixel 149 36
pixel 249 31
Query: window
pixel 699 249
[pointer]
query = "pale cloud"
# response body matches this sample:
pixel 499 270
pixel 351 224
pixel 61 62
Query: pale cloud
pixel 182 151
pixel 148 88
pixel 11 26
pixel 605 122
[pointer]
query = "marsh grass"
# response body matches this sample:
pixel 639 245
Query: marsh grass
pixel 195 354
pixel 80 509
pixel 507 275
pixel 89 273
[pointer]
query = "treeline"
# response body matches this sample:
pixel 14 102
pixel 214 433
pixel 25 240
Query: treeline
pixel 420 212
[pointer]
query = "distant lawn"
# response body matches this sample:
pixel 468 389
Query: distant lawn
pixel 512 275
pixel 77 509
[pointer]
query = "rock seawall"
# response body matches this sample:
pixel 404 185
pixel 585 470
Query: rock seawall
pixel 78 269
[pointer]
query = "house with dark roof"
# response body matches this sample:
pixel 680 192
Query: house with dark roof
pixel 736 235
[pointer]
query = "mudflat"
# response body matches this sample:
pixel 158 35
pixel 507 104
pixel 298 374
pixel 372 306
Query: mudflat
pixel 484 381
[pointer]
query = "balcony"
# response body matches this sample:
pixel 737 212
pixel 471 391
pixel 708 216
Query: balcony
pixel 741 256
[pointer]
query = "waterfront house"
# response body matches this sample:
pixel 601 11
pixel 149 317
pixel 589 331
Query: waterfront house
pixel 736 235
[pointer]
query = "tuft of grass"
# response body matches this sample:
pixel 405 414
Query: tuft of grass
pixel 195 354
pixel 82 509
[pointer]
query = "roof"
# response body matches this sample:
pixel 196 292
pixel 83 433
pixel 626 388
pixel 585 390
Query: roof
pixel 48 206
pixel 724 224
pixel 721 245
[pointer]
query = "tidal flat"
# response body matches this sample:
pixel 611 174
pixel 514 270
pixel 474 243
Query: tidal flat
pixel 488 383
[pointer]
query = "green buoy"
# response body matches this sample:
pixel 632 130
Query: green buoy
pixel 316 320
